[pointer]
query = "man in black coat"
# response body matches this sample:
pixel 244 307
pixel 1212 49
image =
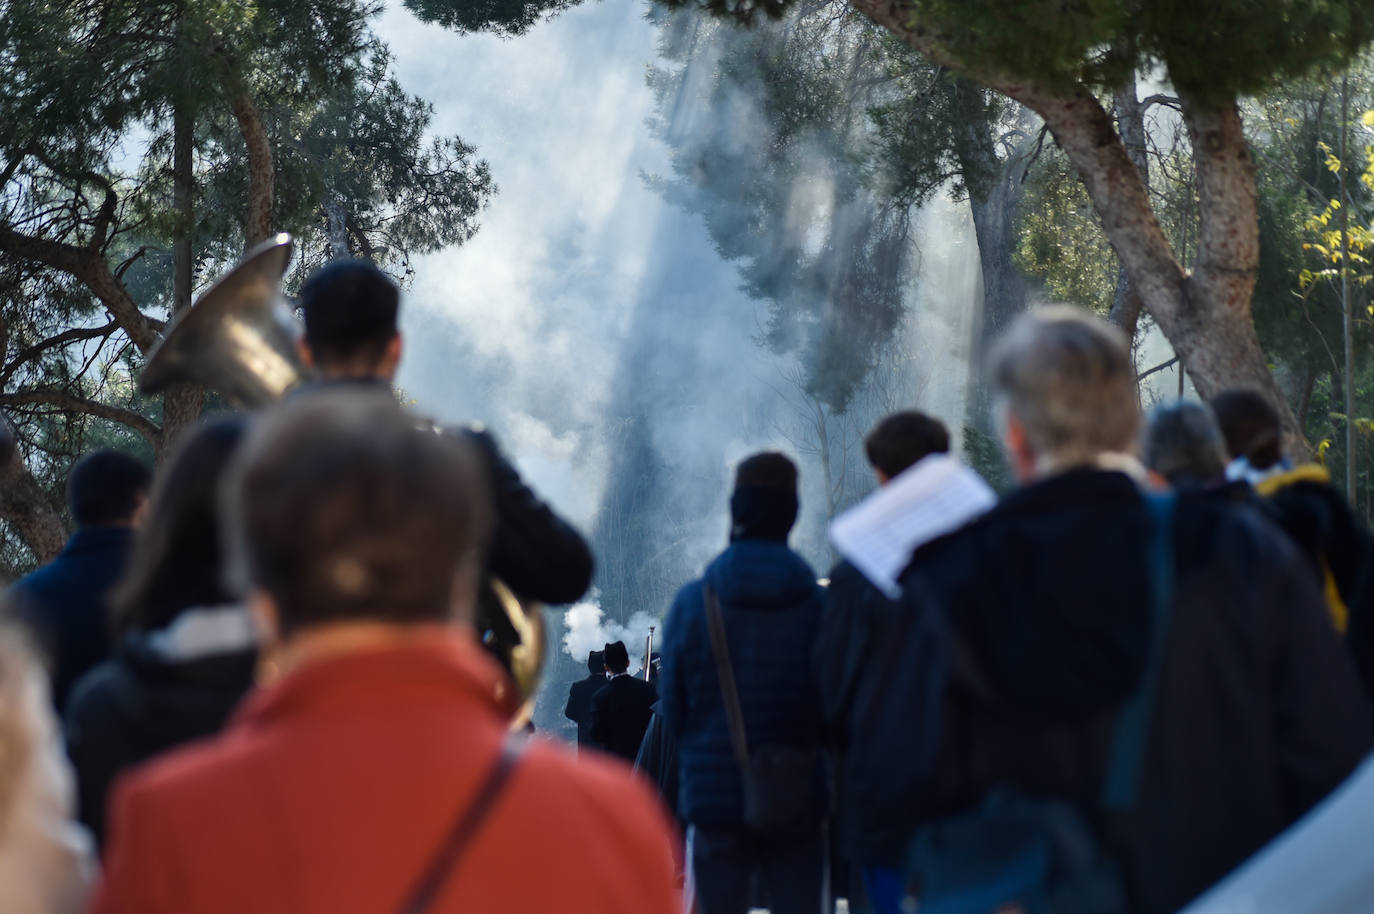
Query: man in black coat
pixel 352 337
pixel 622 708
pixel 1257 712
pixel 65 602
pixel 579 706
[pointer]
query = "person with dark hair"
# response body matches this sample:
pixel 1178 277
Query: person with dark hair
pixel 1183 445
pixel 375 762
pixel 768 603
pixel 352 339
pixel 185 649
pixel 1300 499
pixel 621 711
pixel 579 706
pixel 1153 674
pixel 843 646
pixel 66 602
pixel 902 440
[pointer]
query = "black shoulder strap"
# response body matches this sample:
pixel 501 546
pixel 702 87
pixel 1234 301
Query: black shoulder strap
pixel 464 830
pixel 729 692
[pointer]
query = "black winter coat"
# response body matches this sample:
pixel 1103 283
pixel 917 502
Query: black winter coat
pixel 657 760
pixel 1258 713
pixel 579 706
pixel 66 603
pixel 620 715
pixel 140 704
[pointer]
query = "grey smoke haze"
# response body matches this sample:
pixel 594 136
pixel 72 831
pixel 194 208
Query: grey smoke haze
pixel 592 323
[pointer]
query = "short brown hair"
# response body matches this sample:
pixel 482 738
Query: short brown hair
pixel 1251 426
pixel 340 507
pixel 1067 375
pixel 903 439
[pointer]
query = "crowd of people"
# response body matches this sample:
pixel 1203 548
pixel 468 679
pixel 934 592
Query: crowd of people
pixel 265 690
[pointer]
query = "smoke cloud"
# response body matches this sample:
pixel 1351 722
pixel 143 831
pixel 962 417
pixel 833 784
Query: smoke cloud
pixel 588 630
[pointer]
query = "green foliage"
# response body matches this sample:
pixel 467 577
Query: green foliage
pixel 1216 49
pixel 502 17
pixel 1056 208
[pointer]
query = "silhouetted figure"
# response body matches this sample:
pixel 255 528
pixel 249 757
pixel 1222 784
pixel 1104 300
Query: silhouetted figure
pixel 621 709
pixel 66 602
pixel 770 605
pixel 186 650
pixel 844 646
pixel 382 729
pixel 352 339
pixel 579 706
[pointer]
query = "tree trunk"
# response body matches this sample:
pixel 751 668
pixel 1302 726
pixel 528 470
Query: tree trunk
pixel 1205 315
pixel 181 405
pixel 1130 123
pixel 994 191
pixel 25 505
pixel 261 173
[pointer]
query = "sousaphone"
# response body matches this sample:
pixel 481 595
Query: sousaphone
pixel 239 338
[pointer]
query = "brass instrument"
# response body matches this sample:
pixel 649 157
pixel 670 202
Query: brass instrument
pixel 239 338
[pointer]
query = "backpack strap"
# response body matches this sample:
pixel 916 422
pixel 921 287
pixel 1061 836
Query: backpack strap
pixel 1133 725
pixel 426 889
pixel 720 649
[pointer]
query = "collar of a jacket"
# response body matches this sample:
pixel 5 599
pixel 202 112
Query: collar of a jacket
pixel 434 662
pixel 92 539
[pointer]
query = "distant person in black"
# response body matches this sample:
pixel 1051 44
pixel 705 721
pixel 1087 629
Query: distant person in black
pixel 621 710
pixel 579 706
pixel 352 337
pixel 65 602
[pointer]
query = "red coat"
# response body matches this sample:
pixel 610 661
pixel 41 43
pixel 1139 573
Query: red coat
pixel 330 792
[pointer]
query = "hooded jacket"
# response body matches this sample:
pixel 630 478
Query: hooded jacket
pixel 1257 712
pixel 771 604
pixel 160 690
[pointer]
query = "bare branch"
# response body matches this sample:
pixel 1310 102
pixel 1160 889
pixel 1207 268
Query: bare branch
pixel 73 403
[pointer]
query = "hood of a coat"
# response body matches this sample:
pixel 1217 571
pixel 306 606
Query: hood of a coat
pixel 1050 590
pixel 761 575
pixel 172 679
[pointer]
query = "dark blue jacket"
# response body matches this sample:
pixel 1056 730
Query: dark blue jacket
pixel 66 603
pixel 771 604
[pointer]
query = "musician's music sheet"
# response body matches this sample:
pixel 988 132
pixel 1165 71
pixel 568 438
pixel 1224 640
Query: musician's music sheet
pixel 934 497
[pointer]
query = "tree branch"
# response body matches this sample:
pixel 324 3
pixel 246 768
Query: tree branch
pixel 73 403
pixel 75 335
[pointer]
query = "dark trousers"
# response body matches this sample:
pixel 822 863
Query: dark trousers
pixel 791 878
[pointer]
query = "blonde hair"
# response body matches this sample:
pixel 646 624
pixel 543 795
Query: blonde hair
pixel 23 697
pixel 1067 375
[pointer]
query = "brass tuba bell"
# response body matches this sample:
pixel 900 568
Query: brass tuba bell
pixel 239 338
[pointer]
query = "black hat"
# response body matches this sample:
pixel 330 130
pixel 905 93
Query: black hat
pixel 617 657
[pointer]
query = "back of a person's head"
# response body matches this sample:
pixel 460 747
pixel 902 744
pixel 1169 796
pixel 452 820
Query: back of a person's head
pixel 106 487
pixel 903 439
pixel 340 509
pixel 1250 425
pixel 767 470
pixel 177 561
pixel 350 310
pixel 1183 444
pixel 1067 376
pixel 596 662
pixel 764 503
pixel 617 657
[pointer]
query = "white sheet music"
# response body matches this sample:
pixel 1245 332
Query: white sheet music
pixel 934 497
